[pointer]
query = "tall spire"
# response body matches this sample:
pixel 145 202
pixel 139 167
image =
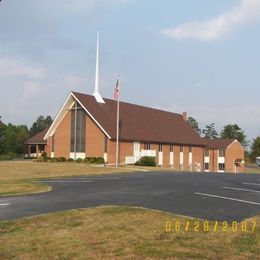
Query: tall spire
pixel 96 93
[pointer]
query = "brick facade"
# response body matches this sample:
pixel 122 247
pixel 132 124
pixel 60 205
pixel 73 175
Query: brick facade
pixel 185 157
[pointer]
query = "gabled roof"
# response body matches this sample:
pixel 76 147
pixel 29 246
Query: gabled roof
pixel 218 143
pixel 139 123
pixel 38 138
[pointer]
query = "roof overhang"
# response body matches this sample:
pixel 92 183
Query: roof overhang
pixel 68 104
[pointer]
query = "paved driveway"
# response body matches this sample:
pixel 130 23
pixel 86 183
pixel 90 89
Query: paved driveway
pixel 204 195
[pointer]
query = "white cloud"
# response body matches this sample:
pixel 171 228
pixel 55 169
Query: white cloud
pixel 246 12
pixel 19 68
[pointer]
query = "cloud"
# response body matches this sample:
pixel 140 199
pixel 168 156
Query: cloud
pixel 10 67
pixel 246 12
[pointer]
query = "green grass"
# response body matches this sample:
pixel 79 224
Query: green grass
pixel 119 233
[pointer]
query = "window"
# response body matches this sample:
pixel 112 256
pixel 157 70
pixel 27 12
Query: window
pixel 207 152
pixel 221 153
pixel 221 167
pixel 190 149
pixel 181 148
pixel 52 143
pixel 78 130
pixel 171 147
pixel 147 146
pixel 160 147
pixel 105 145
pixel 206 166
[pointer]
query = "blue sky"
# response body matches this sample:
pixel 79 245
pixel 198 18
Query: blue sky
pixel 197 56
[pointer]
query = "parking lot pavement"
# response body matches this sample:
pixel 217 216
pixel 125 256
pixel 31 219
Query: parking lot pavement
pixel 204 195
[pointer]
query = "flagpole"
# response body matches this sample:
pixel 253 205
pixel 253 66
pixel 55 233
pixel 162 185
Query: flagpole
pixel 117 128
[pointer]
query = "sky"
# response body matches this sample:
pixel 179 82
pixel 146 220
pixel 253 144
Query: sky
pixel 200 56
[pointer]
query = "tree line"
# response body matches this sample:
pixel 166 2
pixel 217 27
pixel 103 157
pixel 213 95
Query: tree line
pixel 12 137
pixel 230 131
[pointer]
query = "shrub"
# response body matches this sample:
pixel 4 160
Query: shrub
pixel 100 160
pixel 44 156
pixel 40 159
pixel 70 160
pixel 54 159
pixel 146 161
pixel 10 156
pixel 61 159
pixel 79 160
pixel 94 160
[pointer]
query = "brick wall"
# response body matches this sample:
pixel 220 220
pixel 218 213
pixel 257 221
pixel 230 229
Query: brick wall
pixel 233 152
pixel 95 139
pixel 62 137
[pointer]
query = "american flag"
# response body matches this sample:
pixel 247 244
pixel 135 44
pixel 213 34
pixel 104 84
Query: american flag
pixel 116 92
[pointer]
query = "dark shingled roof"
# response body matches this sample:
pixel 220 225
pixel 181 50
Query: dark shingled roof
pixel 38 138
pixel 218 143
pixel 138 123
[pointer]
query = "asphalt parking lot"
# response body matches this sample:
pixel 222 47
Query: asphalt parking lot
pixel 204 195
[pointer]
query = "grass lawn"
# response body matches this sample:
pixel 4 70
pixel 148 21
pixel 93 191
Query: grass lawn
pixel 18 177
pixel 120 232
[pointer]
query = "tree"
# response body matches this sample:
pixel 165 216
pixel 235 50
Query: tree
pixel 210 131
pixel 234 132
pixel 40 124
pixel 2 133
pixel 194 124
pixel 14 138
pixel 255 148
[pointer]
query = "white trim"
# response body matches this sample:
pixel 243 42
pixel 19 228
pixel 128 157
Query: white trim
pixel 92 117
pixel 206 159
pixel 57 119
pixel 105 157
pixel 78 155
pixel 160 159
pixel 171 159
pixel 52 155
pixel 235 141
pixel 62 112
pixel 136 148
pixel 181 158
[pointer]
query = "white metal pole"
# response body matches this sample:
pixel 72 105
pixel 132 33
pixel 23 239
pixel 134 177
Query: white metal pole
pixel 117 128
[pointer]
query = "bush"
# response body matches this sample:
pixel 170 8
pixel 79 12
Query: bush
pixel 146 161
pixel 44 155
pixel 54 159
pixel 100 160
pixel 40 159
pixel 8 156
pixel 94 160
pixel 79 160
pixel 61 159
pixel 70 160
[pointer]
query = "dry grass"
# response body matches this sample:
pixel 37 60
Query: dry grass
pixel 16 176
pixel 118 233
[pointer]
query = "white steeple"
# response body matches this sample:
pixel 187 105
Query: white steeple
pixel 96 93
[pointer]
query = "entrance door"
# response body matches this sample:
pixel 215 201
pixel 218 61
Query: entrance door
pixel 136 148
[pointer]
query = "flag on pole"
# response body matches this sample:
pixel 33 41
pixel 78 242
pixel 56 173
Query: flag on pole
pixel 116 92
